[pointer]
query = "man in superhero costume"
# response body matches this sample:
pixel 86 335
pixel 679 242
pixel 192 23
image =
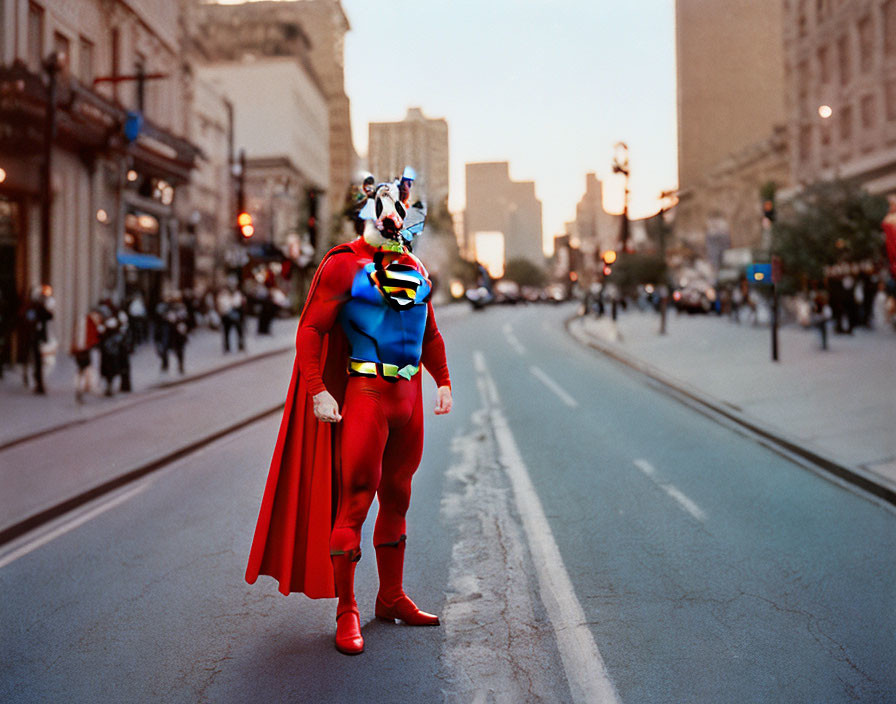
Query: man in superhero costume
pixel 366 329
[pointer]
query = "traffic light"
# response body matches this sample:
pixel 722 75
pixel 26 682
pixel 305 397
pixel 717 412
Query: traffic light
pixel 768 210
pixel 608 258
pixel 244 222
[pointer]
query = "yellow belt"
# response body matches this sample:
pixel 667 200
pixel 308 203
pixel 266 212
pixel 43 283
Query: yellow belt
pixel 357 367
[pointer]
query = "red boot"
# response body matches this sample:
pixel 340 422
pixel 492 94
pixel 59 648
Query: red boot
pixel 391 602
pixel 348 632
pixel 348 621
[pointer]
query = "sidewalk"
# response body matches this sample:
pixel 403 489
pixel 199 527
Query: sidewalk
pixel 838 404
pixel 23 413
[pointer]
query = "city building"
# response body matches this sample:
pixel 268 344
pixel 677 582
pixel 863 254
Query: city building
pixel 594 230
pixel 841 60
pixel 416 141
pixel 731 111
pixel 95 91
pixel 211 221
pixel 302 43
pixel 258 55
pixel 496 204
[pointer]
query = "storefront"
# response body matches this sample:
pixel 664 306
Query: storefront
pixel 113 229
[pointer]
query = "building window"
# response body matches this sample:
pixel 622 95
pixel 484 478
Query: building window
pixel 802 77
pixel 824 64
pixel 802 22
pixel 85 60
pixel 868 116
pixel 115 49
pixel 846 123
pixel 844 59
pixel 805 143
pixel 35 36
pixel 890 98
pixel 889 10
pixel 63 47
pixel 866 44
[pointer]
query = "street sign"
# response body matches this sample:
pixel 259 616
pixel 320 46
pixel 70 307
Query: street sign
pixel 759 274
pixel 133 126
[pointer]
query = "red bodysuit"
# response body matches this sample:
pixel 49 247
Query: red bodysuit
pixel 381 434
pixel 377 446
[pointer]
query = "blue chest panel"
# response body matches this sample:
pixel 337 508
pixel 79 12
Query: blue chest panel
pixel 385 316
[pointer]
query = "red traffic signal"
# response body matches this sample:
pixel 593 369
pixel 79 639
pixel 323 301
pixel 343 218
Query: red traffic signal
pixel 244 222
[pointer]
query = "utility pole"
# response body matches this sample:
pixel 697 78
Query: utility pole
pixel 768 224
pixel 664 281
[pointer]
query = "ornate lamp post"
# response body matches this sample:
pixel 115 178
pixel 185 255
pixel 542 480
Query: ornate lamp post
pixel 620 166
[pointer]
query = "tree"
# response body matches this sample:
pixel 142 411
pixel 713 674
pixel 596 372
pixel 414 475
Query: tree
pixel 632 269
pixel 525 273
pixel 827 223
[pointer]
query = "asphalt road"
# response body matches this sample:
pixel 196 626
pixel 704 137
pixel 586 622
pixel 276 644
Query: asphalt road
pixel 584 536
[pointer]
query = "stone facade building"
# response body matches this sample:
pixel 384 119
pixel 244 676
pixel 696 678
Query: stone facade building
pixel 211 193
pixel 291 53
pixel 731 108
pixel 261 61
pixel 115 182
pixel 842 55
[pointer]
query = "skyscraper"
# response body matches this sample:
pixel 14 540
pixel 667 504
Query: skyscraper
pixel 495 203
pixel 416 141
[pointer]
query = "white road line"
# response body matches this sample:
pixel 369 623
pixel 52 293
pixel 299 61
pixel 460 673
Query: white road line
pixel 71 524
pixel 512 340
pixel 646 467
pixel 687 504
pixel 586 672
pixel 554 386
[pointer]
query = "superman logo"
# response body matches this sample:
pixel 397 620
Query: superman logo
pixel 401 285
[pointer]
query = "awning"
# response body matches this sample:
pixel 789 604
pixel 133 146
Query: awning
pixel 140 261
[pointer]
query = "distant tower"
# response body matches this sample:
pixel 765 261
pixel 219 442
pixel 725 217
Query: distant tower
pixel 416 141
pixel 495 203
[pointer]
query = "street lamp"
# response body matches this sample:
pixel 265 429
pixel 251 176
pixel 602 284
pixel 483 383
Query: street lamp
pixel 620 166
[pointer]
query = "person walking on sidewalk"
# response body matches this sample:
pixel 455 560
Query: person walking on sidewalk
pixel 114 347
pixel 821 314
pixel 231 305
pixel 86 337
pixel 37 319
pixel 138 322
pixel 172 315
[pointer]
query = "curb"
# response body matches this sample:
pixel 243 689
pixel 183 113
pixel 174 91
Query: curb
pixel 139 395
pixel 852 475
pixel 34 521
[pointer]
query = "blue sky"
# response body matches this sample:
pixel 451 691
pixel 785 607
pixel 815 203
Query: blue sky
pixel 549 86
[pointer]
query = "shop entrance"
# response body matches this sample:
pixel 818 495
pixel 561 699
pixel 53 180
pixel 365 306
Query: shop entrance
pixel 11 276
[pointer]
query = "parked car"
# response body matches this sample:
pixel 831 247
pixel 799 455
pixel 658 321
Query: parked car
pixel 507 292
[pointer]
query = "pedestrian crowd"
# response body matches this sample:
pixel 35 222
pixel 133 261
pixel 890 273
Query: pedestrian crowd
pixel 107 335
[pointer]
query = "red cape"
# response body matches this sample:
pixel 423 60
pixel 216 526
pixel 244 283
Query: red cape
pixel 292 537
